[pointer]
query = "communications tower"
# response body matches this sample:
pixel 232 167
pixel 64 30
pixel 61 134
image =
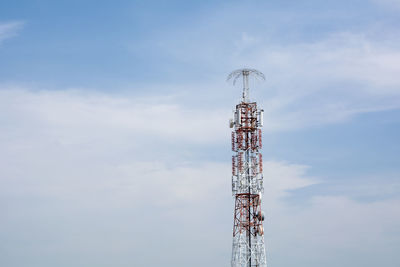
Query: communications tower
pixel 248 249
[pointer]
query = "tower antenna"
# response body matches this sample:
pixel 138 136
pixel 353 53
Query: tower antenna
pixel 245 73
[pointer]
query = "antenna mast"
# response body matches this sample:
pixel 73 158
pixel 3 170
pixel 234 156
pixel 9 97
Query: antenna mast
pixel 245 73
pixel 248 249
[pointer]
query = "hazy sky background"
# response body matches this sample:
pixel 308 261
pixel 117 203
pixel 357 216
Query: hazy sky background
pixel 114 138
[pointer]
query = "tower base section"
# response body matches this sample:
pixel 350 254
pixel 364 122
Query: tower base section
pixel 248 249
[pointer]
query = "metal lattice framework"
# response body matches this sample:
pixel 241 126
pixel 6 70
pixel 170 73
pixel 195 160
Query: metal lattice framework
pixel 248 249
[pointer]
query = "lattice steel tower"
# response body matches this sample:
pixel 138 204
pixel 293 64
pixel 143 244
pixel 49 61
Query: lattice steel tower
pixel 248 249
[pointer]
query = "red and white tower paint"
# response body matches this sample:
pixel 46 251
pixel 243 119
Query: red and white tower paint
pixel 248 248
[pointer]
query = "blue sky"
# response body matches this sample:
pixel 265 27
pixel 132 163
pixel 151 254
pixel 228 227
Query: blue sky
pixel 116 147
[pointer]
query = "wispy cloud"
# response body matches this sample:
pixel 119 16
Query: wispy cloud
pixel 9 29
pixel 388 3
pixel 328 78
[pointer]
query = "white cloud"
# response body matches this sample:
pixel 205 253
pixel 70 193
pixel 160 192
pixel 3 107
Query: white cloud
pixel 74 117
pixel 335 230
pixel 281 177
pixel 83 173
pixel 95 174
pixel 9 29
pixel 325 229
pixel 100 179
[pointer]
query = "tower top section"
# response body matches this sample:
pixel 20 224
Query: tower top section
pixel 245 73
